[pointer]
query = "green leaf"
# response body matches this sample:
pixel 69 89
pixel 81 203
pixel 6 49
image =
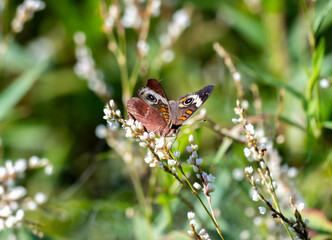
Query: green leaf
pixel 16 90
pixel 327 124
pixel 249 27
pixel 263 77
pixel 290 122
pixel 321 17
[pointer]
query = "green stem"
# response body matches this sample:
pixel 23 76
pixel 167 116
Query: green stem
pixel 3 50
pixel 276 202
pixel 202 203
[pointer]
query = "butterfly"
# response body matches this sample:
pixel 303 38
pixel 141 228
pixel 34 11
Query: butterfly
pixel 161 116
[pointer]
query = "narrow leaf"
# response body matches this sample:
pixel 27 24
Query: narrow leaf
pixel 16 90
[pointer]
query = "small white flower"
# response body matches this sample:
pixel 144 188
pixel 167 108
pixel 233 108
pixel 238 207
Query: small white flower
pixel 262 164
pixel 3 172
pixel 129 133
pixel 143 47
pixel 17 193
pixel 191 233
pixel 195 168
pixel 189 149
pixel 49 169
pixel 160 142
pixel 160 154
pixel 118 113
pixel 32 205
pixel 202 231
pixel 191 215
pixel 169 145
pixel 236 120
pixel 154 164
pixel 167 56
pixel 144 136
pixel 148 159
pixel 191 138
pixel 174 171
pixel 250 128
pixel 237 174
pixel 205 236
pixel 292 172
pixel 152 135
pixel 19 215
pixel 5 211
pixel 155 7
pixel 101 131
pixel 171 162
pixel 306 221
pixel 40 198
pixel 190 161
pixel 160 165
pixel 112 103
pixel 210 188
pixel 10 221
pixel 237 76
pixel 254 195
pixel 197 186
pixel 324 83
pixel 210 178
pixel 20 165
pixel 247 152
pixel 193 223
pixel 275 185
pixel 245 104
pixel 33 161
pixel 300 206
pixel 176 154
pixel 262 210
pixel 199 161
pixel 249 170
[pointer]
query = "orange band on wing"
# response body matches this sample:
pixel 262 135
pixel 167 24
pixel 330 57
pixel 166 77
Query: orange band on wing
pixel 183 118
pixel 189 112
pixel 181 100
pixel 166 116
pixel 162 109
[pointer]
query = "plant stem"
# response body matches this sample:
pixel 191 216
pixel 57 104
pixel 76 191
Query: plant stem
pixel 202 203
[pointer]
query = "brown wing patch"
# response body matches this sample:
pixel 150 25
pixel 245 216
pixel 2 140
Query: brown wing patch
pixel 142 112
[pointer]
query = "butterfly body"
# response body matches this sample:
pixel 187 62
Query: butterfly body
pixel 161 116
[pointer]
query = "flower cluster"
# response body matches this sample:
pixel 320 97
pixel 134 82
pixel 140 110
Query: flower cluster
pixel 24 12
pixel 195 232
pixel 180 21
pixel 158 154
pixel 255 152
pixel 85 67
pixel 204 178
pixel 14 198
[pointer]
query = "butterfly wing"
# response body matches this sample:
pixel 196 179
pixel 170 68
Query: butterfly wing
pixel 188 104
pixel 154 95
pixel 142 112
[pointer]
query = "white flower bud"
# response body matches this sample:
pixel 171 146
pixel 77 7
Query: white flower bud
pixel 197 186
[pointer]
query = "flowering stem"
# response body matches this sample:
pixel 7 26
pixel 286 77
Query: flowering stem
pixel 202 203
pixel 275 200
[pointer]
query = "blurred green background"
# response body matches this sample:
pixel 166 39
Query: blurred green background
pixel 48 111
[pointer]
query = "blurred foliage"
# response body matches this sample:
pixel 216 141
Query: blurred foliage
pixel 46 110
